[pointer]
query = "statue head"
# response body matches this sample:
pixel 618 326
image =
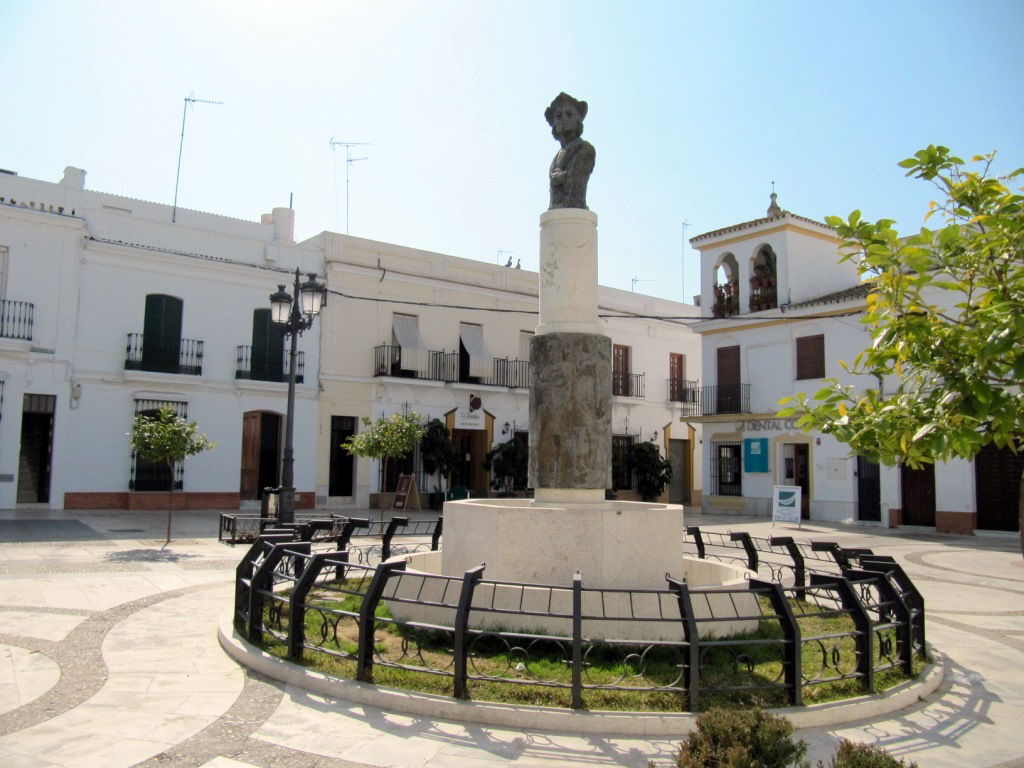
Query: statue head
pixel 565 116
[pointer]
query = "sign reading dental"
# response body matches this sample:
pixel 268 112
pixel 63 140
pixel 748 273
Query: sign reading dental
pixel 765 425
pixel 471 415
pixel 786 503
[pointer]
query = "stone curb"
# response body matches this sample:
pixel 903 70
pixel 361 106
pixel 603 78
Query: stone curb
pixel 523 717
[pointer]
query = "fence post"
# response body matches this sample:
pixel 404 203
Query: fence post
pixel 577 641
pixel 799 569
pixel 469 581
pixel 899 607
pixel 793 653
pixel 244 572
pixel 367 623
pixel 435 539
pixel 393 525
pixel 888 565
pixel 263 580
pixel 748 545
pixel 343 541
pixel 691 667
pixel 861 621
pixel 297 605
pixel 694 531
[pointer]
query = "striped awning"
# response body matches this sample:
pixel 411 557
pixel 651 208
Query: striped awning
pixel 479 356
pixel 406 331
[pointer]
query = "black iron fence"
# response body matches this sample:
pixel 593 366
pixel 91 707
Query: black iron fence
pixel 625 384
pixel 260 366
pixel 16 319
pixel 835 615
pixel 163 354
pixel 450 367
pixel 695 400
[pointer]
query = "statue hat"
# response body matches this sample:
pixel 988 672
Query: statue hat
pixel 580 106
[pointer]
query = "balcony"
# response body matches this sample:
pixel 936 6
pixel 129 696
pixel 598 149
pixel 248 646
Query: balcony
pixel 163 354
pixel 260 367
pixel 695 400
pixel 16 320
pixel 450 367
pixel 687 393
pixel 625 384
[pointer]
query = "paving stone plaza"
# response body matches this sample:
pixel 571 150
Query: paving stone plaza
pixel 109 657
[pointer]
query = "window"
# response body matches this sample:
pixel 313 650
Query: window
pixel 268 360
pixel 726 469
pixel 728 389
pixel 524 344
pixel 622 461
pixel 763 280
pixel 156 476
pixel 161 334
pixel 621 370
pixel 810 357
pixel 474 357
pixel 411 354
pixel 676 377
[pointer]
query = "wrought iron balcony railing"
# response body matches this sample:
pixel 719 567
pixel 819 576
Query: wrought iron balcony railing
pixel 16 319
pixel 447 367
pixel 258 365
pixel 695 400
pixel 163 354
pixel 625 384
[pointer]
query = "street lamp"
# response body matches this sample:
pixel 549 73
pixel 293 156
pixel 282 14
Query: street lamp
pixel 296 314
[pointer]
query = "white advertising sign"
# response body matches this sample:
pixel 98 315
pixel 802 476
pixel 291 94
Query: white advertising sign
pixel 786 503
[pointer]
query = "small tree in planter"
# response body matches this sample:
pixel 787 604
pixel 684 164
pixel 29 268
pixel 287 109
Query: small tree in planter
pixel 508 462
pixel 389 437
pixel 438 454
pixel 167 438
pixel 653 472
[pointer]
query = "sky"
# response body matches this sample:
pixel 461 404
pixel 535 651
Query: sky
pixel 695 109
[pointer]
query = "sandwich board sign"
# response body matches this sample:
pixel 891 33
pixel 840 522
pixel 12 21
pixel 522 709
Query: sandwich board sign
pixel 786 504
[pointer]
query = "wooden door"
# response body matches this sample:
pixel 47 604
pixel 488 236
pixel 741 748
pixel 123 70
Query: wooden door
pixel 679 457
pixel 267 362
pixel 869 490
pixel 249 486
pixel 997 473
pixel 802 477
pixel 161 334
pixel 727 399
pixel 917 488
pixel 676 376
pixel 620 369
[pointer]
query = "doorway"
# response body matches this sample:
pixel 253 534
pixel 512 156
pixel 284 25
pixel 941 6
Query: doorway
pixel 679 457
pixel 470 447
pixel 261 453
pixel 340 473
pixel 36 448
pixel 869 490
pixel 997 474
pixel 917 491
pixel 796 464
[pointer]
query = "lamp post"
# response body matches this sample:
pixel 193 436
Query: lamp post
pixel 295 313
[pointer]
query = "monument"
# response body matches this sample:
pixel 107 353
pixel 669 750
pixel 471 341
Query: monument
pixel 568 526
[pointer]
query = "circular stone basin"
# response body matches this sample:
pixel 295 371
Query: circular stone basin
pixel 622 550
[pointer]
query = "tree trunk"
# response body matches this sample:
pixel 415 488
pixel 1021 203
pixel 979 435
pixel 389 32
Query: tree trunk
pixel 170 505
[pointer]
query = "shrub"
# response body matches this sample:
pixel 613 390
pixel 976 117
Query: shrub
pixel 742 738
pixel 853 755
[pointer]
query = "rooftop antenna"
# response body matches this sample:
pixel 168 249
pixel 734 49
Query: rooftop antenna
pixel 501 252
pixel 348 164
pixel 638 280
pixel 682 260
pixel 190 99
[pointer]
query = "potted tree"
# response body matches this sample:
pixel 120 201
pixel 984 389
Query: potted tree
pixel 388 437
pixel 653 473
pixel 437 452
pixel 165 437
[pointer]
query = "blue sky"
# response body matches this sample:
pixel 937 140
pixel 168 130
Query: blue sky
pixel 695 108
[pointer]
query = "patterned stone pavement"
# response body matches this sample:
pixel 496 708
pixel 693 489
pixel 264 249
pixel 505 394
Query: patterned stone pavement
pixel 109 657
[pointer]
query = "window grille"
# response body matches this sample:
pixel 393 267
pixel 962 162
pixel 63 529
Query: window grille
pixel 726 469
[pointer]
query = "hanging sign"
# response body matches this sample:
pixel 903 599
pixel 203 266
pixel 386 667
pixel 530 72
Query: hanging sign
pixel 786 504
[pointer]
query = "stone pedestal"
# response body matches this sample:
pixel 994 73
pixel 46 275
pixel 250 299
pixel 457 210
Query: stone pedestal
pixel 570 367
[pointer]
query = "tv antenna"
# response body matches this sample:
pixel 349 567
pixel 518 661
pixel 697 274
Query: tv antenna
pixel 682 261
pixel 638 280
pixel 348 164
pixel 190 99
pixel 501 252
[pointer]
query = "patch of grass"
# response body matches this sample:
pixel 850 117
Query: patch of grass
pixel 748 671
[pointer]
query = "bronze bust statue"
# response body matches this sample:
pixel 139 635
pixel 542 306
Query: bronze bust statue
pixel 574 162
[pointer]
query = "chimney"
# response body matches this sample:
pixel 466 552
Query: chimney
pixel 73 177
pixel 283 220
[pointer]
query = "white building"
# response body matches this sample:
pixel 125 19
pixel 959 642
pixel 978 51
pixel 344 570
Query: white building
pixel 114 306
pixel 448 338
pixel 785 312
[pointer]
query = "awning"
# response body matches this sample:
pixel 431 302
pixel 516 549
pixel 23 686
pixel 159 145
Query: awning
pixel 406 330
pixel 479 356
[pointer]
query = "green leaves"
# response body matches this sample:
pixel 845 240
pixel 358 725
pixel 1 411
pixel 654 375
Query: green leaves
pixel 389 437
pixel 167 438
pixel 946 319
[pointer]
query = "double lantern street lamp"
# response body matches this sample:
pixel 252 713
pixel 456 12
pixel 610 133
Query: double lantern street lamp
pixel 295 313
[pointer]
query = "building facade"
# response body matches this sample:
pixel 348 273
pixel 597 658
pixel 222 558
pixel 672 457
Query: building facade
pixel 783 313
pixel 114 307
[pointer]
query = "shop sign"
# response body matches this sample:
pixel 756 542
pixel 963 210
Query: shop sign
pixel 471 415
pixel 765 425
